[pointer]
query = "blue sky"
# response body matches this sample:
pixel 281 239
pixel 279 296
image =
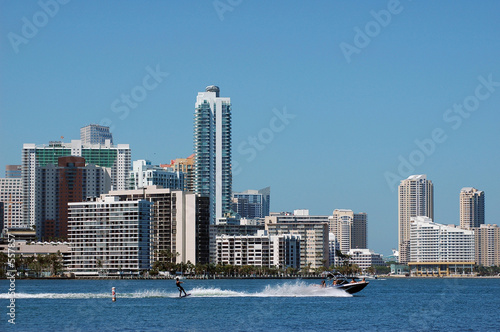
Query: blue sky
pixel 322 113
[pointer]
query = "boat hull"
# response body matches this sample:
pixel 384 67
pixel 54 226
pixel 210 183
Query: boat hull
pixel 352 288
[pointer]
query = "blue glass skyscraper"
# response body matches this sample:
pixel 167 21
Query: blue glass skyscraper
pixel 212 148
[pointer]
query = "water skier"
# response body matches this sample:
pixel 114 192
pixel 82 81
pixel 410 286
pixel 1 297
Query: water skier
pixel 178 284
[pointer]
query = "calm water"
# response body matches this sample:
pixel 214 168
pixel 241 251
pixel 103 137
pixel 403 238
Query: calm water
pixel 253 305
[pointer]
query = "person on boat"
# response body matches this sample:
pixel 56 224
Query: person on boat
pixel 323 284
pixel 178 284
pixel 353 281
pixel 334 282
pixel 364 280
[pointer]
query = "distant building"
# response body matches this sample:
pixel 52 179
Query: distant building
pixel 416 198
pixel 471 208
pixel 333 247
pixel 258 250
pixel 365 258
pixel 252 203
pixel 116 159
pixel 110 237
pixel 487 241
pixel 186 166
pixel 298 216
pixel 11 195
pixel 349 229
pixel 437 249
pixel 25 248
pixel 95 134
pixel 13 171
pixel 212 148
pixel 144 174
pixel 313 241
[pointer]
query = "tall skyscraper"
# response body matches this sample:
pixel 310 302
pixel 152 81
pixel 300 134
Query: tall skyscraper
pixel 212 148
pixel 416 198
pixel 471 208
pixel 95 134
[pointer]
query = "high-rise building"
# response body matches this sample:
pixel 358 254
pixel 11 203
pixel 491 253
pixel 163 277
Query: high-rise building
pixel 186 166
pixel 437 249
pixel 13 171
pixel 95 134
pixel 349 229
pixel 212 148
pixel 71 180
pixel 487 240
pixel 252 203
pixel 144 174
pixel 471 208
pixel 11 195
pixel 110 237
pixel 416 198
pixel 116 159
pixel 180 223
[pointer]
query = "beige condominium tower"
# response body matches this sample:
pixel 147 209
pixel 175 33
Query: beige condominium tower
pixel 471 208
pixel 416 198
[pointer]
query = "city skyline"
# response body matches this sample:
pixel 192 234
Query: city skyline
pixel 308 83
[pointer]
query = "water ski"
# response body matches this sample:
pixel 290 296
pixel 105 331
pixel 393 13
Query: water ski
pixel 185 295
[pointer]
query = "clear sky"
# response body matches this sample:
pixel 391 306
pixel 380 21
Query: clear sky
pixel 333 101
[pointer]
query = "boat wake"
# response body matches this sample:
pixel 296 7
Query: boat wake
pixel 289 289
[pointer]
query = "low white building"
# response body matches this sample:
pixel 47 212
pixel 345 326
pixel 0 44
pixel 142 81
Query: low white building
pixel 109 236
pixel 437 249
pixel 365 258
pixel 258 250
pixel 144 174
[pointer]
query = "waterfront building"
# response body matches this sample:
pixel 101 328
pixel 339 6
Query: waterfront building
pixel 212 148
pixel 11 195
pixel 281 251
pixel 487 241
pixel 180 223
pixel 144 174
pixel 314 241
pixel 416 198
pixel 471 208
pixel 185 166
pixel 110 237
pixel 364 258
pixel 13 171
pixel 349 229
pixel 115 159
pixel 95 134
pixel 437 250
pixel 252 203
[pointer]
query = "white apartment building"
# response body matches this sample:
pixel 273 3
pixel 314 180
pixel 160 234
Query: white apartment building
pixel 144 174
pixel 258 250
pixel 365 258
pixel 109 236
pixel 438 246
pixel 11 195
